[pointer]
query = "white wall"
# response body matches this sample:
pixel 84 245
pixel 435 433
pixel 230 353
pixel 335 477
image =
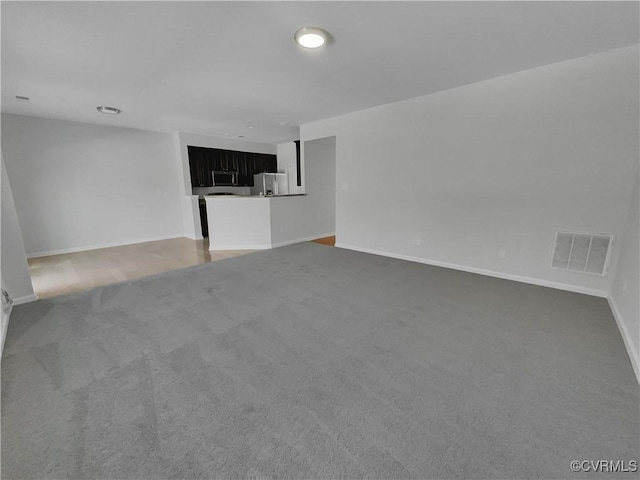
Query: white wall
pixel 625 290
pixel 14 270
pixel 495 165
pixel 261 222
pixel 319 168
pixel 13 258
pixel 239 223
pixel 78 186
pixel 287 163
pixel 189 201
pixel 313 215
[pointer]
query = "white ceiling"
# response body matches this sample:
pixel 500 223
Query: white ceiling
pixel 215 67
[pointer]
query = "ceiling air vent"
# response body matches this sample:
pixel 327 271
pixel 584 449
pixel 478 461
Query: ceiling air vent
pixel 581 252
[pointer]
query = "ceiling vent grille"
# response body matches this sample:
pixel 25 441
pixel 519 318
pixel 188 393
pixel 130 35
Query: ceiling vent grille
pixel 581 252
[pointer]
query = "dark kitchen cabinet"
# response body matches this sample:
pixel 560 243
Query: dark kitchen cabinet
pixel 200 167
pixel 245 173
pixel 232 162
pixel 224 160
pixel 264 163
pixel 257 163
pixel 271 164
pixel 204 222
pixel 298 170
pixel 210 159
pixel 203 161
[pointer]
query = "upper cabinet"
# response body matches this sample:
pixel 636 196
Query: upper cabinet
pixel 200 167
pixel 263 163
pixel 245 173
pixel 203 161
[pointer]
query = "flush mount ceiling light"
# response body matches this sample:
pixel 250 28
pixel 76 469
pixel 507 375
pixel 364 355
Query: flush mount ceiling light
pixel 311 37
pixel 109 110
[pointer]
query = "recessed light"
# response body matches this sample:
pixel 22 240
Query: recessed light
pixel 311 37
pixel 282 124
pixel 249 126
pixel 20 97
pixel 109 110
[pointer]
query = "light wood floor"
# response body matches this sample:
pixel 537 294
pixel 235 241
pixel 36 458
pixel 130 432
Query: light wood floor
pixel 331 241
pixel 74 272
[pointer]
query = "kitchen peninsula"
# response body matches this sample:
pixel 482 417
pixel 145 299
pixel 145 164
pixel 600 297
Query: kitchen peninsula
pixel 252 222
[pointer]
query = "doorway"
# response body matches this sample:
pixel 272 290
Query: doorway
pixel 319 173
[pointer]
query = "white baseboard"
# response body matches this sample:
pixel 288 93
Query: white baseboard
pixel 7 316
pixel 490 273
pixel 303 239
pixel 4 325
pixel 25 299
pixel 102 245
pixel 631 351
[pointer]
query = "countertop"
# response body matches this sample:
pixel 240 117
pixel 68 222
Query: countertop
pixel 251 196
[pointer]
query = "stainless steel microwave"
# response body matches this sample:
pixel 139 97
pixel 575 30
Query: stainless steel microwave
pixel 225 178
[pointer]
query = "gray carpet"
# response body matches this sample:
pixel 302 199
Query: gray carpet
pixel 314 362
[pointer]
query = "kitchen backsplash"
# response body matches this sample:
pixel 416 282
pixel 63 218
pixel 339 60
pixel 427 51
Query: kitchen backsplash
pixel 200 191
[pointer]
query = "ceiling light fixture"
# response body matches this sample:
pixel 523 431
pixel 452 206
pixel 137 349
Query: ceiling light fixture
pixel 109 110
pixel 311 37
pixel 249 126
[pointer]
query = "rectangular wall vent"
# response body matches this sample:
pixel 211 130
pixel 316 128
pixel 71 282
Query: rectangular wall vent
pixel 581 252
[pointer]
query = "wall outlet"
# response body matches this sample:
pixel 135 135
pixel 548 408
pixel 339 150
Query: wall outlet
pixel 502 253
pixel 345 186
pixel 416 241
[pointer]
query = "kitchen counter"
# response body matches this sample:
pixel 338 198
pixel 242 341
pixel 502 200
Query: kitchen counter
pixel 254 222
pixel 251 196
